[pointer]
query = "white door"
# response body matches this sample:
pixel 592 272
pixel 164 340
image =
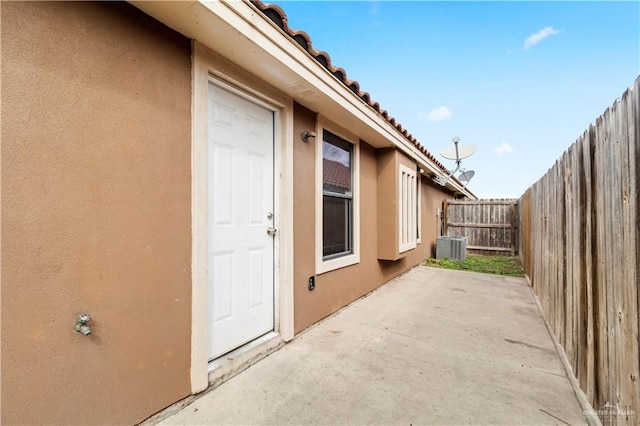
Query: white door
pixel 240 238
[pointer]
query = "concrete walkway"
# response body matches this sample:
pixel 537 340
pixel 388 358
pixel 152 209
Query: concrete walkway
pixel 432 347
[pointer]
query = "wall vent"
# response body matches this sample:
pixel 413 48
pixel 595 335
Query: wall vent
pixel 454 248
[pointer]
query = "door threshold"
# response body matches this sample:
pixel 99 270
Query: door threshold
pixel 226 366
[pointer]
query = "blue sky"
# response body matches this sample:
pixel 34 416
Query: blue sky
pixel 520 80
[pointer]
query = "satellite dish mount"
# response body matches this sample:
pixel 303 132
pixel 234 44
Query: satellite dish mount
pixel 457 153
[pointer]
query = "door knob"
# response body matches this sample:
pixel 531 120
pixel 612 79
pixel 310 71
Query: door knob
pixel 271 231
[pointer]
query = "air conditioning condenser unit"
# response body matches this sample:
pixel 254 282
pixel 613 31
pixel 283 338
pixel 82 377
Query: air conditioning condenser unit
pixel 454 248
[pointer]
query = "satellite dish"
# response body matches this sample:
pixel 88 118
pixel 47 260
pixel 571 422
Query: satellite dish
pixel 466 175
pixel 458 152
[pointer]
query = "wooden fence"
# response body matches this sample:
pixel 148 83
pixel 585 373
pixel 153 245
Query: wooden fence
pixel 580 245
pixel 489 225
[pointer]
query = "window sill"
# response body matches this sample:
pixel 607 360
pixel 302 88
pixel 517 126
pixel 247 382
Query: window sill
pixel 340 262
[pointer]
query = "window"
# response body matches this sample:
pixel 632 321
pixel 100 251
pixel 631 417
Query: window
pixel 337 196
pixel 409 205
pixel 418 209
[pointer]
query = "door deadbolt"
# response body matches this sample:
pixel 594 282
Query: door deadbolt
pixel 269 215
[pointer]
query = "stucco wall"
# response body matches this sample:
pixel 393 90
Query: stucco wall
pixel 96 192
pixel 339 287
pixel 432 197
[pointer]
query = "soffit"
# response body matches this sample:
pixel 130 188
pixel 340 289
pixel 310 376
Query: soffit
pixel 257 38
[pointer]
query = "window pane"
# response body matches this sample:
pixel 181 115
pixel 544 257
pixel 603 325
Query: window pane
pixel 336 164
pixel 336 225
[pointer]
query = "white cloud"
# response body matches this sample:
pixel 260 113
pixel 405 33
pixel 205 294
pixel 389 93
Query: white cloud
pixel 375 8
pixel 536 38
pixel 438 114
pixel 503 148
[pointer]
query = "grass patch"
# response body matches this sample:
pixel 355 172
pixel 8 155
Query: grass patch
pixel 499 265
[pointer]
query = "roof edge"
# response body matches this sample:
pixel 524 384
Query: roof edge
pixel 278 16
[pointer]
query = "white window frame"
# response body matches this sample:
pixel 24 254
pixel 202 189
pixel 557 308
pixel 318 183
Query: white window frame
pixel 326 265
pixel 419 202
pixel 407 209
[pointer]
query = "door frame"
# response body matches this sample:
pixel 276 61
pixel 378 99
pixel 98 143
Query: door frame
pixel 210 67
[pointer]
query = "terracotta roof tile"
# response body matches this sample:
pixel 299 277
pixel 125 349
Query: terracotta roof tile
pixel 302 39
pixel 279 17
pixel 336 174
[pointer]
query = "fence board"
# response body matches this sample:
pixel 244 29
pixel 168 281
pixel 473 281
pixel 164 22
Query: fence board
pixel 500 202
pixel 489 248
pixel 490 226
pixel 479 225
pixel 579 230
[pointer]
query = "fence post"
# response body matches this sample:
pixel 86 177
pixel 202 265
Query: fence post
pixel 445 217
pixel 512 215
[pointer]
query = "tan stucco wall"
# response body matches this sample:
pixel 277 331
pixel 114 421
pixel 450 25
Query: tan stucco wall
pixel 432 197
pixel 388 231
pixel 304 170
pixel 387 204
pixel 96 213
pixel 339 287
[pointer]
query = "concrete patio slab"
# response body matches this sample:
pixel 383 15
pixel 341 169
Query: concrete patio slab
pixel 433 346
